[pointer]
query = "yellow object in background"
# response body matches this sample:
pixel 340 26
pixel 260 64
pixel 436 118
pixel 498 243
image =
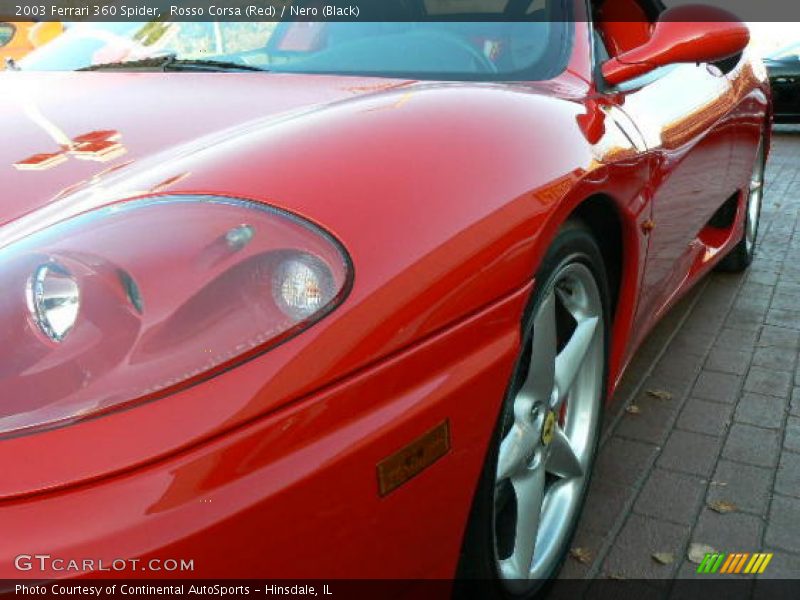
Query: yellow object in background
pixel 18 39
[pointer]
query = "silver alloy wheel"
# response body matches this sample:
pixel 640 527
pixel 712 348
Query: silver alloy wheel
pixel 755 196
pixel 546 448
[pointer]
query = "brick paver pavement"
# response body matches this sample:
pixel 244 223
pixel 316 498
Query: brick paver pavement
pixel 727 355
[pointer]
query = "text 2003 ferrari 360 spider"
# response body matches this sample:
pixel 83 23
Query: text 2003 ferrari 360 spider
pixel 347 299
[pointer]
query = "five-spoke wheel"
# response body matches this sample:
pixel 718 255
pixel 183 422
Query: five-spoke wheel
pixel 548 438
pixel 537 471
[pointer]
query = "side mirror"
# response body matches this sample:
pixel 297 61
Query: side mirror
pixel 690 33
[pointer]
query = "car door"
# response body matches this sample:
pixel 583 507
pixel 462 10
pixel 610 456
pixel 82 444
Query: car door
pixel 682 112
pixel 683 116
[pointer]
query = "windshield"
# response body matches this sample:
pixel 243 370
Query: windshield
pixel 533 48
pixel 789 52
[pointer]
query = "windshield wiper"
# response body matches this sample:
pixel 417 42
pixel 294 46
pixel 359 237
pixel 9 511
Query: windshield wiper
pixel 153 62
pixel 172 63
pixel 195 64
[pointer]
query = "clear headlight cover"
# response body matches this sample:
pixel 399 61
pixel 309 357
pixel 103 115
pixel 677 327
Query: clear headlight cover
pixel 135 300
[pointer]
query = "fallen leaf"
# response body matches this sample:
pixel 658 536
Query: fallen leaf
pixel 582 555
pixel 664 558
pixel 659 394
pixel 697 552
pixel 617 576
pixel 633 409
pixel 722 507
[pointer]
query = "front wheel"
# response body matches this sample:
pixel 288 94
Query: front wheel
pixel 537 470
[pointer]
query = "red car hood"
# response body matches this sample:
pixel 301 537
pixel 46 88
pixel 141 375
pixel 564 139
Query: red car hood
pixel 438 198
pixel 62 131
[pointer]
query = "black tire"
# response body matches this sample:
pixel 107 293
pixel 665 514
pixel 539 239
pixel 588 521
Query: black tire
pixel 477 575
pixel 741 256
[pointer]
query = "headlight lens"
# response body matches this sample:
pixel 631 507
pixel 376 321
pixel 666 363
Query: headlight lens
pixel 301 286
pixel 53 300
pixel 135 300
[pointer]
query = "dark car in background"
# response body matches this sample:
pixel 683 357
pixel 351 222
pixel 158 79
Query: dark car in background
pixel 784 75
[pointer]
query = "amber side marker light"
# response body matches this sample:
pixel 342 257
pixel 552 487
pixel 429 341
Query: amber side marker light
pixel 411 460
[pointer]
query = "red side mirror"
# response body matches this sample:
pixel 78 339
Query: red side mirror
pixel 691 33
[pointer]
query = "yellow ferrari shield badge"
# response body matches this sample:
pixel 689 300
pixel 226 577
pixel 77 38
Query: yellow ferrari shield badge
pixel 549 428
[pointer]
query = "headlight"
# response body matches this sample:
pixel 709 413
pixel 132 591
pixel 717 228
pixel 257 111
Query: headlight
pixel 141 298
pixel 301 284
pixel 53 300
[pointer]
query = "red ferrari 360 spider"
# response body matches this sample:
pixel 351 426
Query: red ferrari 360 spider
pixel 348 299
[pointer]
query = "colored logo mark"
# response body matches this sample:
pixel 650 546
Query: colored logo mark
pixel 733 563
